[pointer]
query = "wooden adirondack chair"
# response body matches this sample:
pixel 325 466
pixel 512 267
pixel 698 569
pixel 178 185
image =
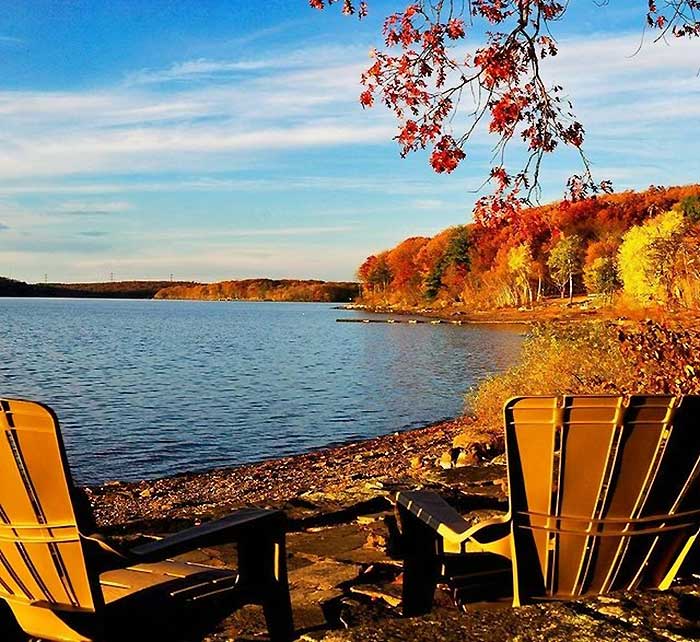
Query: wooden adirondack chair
pixel 604 495
pixel 63 585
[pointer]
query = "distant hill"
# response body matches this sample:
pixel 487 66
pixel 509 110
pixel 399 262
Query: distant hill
pixel 109 290
pixel 265 290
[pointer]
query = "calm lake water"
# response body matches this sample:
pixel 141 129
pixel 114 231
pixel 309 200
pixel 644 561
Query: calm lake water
pixel 145 389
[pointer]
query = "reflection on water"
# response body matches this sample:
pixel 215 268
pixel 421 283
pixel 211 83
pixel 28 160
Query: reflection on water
pixel 151 388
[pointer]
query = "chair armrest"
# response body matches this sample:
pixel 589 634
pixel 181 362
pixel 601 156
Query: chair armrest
pixel 490 530
pixel 434 511
pixel 239 525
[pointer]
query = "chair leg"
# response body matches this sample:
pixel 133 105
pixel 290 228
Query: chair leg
pixel 421 566
pixel 277 607
pixel 262 563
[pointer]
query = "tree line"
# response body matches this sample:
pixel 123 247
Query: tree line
pixel 265 290
pixel 640 246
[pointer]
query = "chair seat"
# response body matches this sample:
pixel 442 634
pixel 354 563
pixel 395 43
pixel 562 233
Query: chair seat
pixel 178 580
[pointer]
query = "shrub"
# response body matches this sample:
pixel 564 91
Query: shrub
pixel 690 208
pixel 663 359
pixel 556 359
pixel 596 357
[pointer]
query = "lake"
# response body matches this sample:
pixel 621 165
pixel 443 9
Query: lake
pixel 145 389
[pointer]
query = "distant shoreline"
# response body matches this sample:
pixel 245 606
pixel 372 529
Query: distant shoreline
pixel 291 290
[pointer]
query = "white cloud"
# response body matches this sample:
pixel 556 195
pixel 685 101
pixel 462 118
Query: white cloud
pixel 92 207
pixel 222 236
pixel 427 204
pixel 195 69
pixel 241 111
pixel 305 99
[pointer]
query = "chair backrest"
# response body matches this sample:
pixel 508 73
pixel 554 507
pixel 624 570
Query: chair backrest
pixel 604 491
pixel 42 560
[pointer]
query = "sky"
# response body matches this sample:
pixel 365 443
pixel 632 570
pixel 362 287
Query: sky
pixel 220 140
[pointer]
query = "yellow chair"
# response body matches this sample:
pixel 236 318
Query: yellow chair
pixel 604 495
pixel 63 585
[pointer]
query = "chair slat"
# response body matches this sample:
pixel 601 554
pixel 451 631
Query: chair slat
pixel 41 556
pixel 628 500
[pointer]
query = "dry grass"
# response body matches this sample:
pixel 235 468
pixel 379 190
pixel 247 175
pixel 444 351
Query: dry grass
pixel 556 359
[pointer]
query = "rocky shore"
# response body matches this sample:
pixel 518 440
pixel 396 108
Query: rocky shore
pixel 582 308
pixel 344 551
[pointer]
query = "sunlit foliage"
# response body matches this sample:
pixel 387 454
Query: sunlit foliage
pixel 430 62
pixel 600 277
pixel 564 262
pixel 647 255
pixel 264 290
pixel 521 268
pixel 551 250
pixel 556 359
pixel 593 358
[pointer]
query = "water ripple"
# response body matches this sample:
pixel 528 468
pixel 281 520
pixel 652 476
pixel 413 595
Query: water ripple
pixel 153 388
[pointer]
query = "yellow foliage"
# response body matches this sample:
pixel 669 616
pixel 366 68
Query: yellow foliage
pixel 643 258
pixel 520 265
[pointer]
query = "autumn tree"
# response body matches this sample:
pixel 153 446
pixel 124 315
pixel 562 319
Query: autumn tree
pixel 376 274
pixel 421 74
pixel 521 267
pixel 600 277
pixel 647 257
pixel 405 274
pixel 498 266
pixel 565 262
pixel 454 258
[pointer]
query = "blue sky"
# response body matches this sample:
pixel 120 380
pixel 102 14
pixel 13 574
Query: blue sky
pixel 217 140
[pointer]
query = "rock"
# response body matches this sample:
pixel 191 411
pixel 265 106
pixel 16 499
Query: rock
pixel 445 460
pixel 389 593
pixel 323 576
pixel 466 458
pixel 367 519
pixel 376 540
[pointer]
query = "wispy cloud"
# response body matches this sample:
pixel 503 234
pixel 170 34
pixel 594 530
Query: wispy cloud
pixel 428 204
pixel 335 184
pixel 240 111
pixel 222 237
pixel 91 208
pixel 303 100
pixel 197 70
pixel 11 40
